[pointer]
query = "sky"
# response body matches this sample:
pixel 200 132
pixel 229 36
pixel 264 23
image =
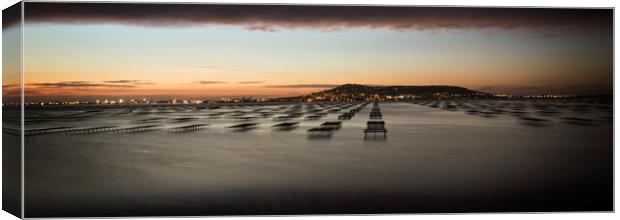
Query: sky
pixel 11 56
pixel 273 51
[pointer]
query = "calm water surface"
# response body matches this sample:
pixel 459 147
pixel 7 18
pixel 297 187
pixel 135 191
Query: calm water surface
pixel 433 160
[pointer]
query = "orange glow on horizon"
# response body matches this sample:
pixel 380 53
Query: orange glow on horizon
pixel 175 90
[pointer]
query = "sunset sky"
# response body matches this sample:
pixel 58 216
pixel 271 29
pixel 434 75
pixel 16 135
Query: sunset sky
pixel 220 50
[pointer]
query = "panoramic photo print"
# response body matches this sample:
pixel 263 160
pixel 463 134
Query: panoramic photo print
pixel 216 109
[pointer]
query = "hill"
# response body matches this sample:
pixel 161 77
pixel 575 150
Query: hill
pixel 364 92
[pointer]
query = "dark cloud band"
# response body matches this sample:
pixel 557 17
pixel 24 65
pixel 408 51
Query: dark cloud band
pixel 11 16
pixel 122 81
pixel 78 84
pixel 132 82
pixel 210 82
pixel 273 17
pixel 251 82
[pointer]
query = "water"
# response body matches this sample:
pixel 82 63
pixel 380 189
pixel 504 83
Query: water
pixel 433 160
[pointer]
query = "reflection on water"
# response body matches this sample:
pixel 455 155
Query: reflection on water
pixel 449 156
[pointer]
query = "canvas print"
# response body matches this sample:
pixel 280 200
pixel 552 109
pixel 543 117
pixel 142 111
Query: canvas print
pixel 139 109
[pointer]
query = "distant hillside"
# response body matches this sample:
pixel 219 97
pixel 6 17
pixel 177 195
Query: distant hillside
pixel 362 92
pixel 397 90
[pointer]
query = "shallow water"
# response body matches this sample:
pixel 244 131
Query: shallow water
pixel 433 160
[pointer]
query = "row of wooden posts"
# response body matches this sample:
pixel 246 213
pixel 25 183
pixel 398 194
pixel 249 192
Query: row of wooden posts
pixel 375 125
pixel 326 129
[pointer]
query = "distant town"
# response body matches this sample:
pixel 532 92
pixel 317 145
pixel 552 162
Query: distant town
pixel 347 92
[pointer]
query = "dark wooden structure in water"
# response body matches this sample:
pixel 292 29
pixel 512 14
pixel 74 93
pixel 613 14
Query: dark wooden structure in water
pixel 346 116
pixel 537 122
pixel 189 128
pixel 138 129
pixel 375 115
pixel 579 121
pixel 332 124
pixel 375 127
pixel 285 126
pixel 243 126
pixel 313 117
pixel 321 132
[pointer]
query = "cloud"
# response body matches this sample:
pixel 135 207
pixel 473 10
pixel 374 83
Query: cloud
pixel 327 86
pixel 276 17
pixel 11 90
pixel 133 82
pixel 32 92
pixel 11 15
pixel 261 28
pixel 122 81
pixel 210 82
pixel 250 82
pixel 8 86
pixel 78 84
